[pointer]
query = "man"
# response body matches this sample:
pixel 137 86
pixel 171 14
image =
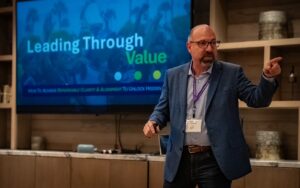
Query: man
pixel 200 99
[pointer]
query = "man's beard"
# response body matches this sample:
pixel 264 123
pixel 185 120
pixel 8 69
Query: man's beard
pixel 207 60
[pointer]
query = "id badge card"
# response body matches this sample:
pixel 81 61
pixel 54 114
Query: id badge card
pixel 193 125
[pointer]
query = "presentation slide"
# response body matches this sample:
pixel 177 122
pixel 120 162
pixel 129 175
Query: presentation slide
pixel 98 52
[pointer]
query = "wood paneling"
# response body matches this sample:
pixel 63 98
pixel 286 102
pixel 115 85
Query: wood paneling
pixel 289 90
pixel 17 171
pixel 52 172
pixel 95 173
pixel 285 121
pixel 6 33
pixel 238 183
pixel 241 19
pixel 156 174
pixel 91 173
pixel 24 132
pixel 65 132
pixel 3 129
pixel 272 177
pixel 128 174
pixel 252 65
pixel 243 28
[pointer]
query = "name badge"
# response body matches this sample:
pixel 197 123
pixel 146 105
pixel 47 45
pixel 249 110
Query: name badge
pixel 193 125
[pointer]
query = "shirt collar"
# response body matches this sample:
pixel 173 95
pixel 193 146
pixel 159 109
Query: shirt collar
pixel 206 72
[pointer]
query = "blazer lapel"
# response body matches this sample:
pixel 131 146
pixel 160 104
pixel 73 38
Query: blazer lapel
pixel 183 85
pixel 215 78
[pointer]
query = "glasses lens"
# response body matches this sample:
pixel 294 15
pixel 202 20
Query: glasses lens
pixel 204 44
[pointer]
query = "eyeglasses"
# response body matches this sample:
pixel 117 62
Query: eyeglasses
pixel 204 43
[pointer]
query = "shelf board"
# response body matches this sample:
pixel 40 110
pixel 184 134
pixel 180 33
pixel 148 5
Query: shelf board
pixel 4 10
pixel 5 57
pixel 276 105
pixel 259 44
pixel 275 163
pixel 5 106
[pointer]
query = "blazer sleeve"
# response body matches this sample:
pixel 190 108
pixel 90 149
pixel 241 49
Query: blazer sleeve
pixel 161 111
pixel 255 95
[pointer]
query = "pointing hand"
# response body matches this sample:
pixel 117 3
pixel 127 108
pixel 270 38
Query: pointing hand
pixel 272 68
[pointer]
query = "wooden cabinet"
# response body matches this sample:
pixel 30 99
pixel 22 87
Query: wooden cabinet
pixel 12 136
pixel 273 177
pixel 52 172
pixel 156 174
pixel 90 173
pixel 236 24
pixel 8 125
pixel 108 173
pixel 17 171
pixel 23 169
pixel 130 174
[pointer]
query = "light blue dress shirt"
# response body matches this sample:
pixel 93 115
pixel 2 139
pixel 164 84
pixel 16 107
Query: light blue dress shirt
pixel 201 138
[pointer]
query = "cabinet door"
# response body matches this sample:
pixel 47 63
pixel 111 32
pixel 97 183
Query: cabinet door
pixel 238 183
pixel 128 174
pixel 95 173
pixel 91 173
pixel 156 174
pixel 272 177
pixel 17 171
pixel 52 172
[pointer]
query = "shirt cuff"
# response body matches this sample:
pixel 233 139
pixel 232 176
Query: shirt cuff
pixel 268 78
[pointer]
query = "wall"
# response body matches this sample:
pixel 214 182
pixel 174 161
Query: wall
pixel 65 132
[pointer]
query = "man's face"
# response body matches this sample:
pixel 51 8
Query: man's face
pixel 203 47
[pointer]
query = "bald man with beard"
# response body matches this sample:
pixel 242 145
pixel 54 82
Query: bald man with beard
pixel 200 100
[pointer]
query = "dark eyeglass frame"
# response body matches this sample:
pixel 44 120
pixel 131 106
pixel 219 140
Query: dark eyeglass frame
pixel 204 43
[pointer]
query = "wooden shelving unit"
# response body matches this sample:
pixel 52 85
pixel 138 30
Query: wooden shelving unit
pixel 236 25
pixel 8 117
pixel 259 44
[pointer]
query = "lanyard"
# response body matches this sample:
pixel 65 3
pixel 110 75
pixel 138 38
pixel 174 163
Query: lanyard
pixel 196 96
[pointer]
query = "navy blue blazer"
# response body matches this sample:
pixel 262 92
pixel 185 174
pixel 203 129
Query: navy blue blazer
pixel 228 84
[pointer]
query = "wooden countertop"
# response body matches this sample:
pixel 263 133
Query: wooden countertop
pixel 140 157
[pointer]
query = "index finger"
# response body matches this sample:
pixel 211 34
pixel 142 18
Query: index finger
pixel 276 60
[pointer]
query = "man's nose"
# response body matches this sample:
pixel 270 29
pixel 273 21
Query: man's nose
pixel 209 47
